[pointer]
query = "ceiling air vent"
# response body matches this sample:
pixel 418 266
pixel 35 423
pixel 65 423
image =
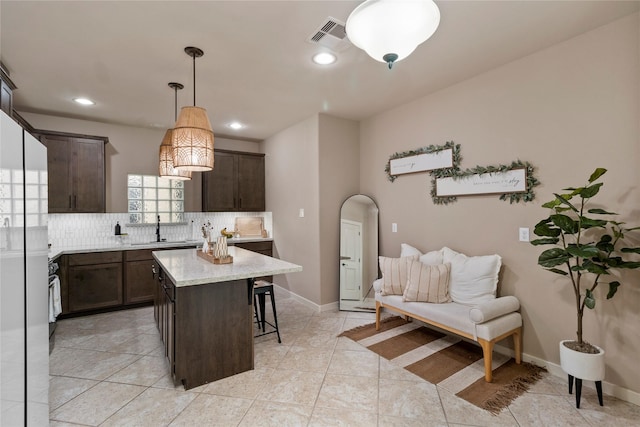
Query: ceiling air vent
pixel 331 34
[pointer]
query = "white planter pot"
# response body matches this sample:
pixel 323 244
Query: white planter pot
pixel 582 365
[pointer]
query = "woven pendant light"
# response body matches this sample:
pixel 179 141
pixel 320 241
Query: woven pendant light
pixel 166 169
pixel 192 136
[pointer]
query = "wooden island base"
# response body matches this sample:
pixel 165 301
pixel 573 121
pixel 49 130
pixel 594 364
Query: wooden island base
pixel 204 311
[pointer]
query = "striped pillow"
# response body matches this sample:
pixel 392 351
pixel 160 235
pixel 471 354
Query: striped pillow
pixel 427 283
pixel 394 274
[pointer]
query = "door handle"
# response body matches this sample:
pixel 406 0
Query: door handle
pixel 343 264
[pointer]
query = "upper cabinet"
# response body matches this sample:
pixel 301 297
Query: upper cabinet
pixel 236 183
pixel 76 172
pixel 6 92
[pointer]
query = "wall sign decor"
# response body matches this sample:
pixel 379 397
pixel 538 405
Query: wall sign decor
pixel 433 157
pixel 513 182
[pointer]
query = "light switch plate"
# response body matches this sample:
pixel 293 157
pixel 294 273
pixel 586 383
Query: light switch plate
pixel 301 213
pixel 394 227
pixel 523 234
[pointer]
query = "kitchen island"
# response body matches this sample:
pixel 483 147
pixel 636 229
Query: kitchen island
pixel 204 311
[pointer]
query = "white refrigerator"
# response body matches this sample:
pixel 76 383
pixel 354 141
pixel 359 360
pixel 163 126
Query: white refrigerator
pixel 24 320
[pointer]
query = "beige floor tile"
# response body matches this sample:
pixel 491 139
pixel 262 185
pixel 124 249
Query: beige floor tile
pixel 391 371
pixel 389 421
pixel 63 389
pixel 140 344
pixel 615 412
pixel 266 356
pixel 306 359
pixel 550 384
pixel 409 399
pixel 347 362
pixel 326 323
pixel 248 385
pixel 316 339
pixel 349 392
pixel 166 382
pixel 544 410
pixel 344 343
pixel 154 407
pixel 295 387
pixel 145 371
pixel 276 414
pixel 354 322
pixel 330 417
pixel 102 365
pixel 97 404
pixel 208 410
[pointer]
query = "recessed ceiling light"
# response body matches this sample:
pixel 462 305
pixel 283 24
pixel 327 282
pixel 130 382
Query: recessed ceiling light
pixel 84 101
pixel 235 125
pixel 324 58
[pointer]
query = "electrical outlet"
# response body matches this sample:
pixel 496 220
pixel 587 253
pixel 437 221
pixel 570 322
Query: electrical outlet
pixel 394 227
pixel 524 234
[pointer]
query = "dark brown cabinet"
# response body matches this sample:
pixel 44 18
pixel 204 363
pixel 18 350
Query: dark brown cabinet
pixel 164 310
pixel 236 184
pixel 139 283
pixel 94 281
pixel 107 280
pixel 207 330
pixel 6 92
pixel 76 172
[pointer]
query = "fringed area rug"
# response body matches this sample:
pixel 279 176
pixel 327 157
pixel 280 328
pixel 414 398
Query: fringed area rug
pixel 448 361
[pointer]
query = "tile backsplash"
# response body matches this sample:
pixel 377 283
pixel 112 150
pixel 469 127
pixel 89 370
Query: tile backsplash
pixel 98 229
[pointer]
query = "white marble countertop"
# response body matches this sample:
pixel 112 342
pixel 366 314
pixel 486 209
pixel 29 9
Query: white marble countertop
pixel 185 268
pixel 56 251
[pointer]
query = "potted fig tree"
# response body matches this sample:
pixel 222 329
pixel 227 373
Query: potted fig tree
pixel 588 246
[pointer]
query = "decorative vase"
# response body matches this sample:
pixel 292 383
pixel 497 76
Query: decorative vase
pixel 205 246
pixel 582 365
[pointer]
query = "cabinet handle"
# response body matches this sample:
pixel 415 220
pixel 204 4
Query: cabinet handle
pixel 240 202
pixel 69 202
pixel 153 270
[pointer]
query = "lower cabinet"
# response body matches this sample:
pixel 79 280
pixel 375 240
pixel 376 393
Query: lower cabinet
pixel 207 330
pixel 107 280
pixel 94 281
pixel 139 283
pixel 164 310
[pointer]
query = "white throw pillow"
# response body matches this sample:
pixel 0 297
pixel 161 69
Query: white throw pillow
pixel 473 279
pixel 430 258
pixel 408 250
pixel 394 274
pixel 427 283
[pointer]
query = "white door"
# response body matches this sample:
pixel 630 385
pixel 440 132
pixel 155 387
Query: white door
pixel 350 260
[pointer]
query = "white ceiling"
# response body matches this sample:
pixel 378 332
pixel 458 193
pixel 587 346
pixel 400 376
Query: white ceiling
pixel 257 64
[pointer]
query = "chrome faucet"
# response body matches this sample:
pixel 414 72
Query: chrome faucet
pixel 158 229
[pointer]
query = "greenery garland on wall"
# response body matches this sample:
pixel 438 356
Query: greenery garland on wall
pixel 456 172
pixel 527 196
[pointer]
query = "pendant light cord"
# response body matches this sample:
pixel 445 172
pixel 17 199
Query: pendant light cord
pixel 175 104
pixel 194 79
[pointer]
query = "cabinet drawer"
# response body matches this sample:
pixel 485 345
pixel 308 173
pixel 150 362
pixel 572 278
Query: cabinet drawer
pixel 260 247
pixel 139 254
pixel 95 258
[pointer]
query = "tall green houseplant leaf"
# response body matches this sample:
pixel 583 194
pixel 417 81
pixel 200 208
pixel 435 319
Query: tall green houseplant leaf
pixel 586 250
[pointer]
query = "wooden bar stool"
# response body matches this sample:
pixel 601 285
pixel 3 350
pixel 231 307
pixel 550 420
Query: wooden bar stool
pixel 260 290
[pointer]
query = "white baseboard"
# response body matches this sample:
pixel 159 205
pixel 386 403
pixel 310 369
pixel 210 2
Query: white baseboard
pixel 556 370
pixel 285 293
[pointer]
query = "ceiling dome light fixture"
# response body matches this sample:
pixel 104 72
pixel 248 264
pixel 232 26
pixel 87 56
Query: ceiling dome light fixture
pixel 192 136
pixel 84 101
pixel 165 168
pixel 389 30
pixel 324 58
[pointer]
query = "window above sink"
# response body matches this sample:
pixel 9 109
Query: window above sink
pixel 149 196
